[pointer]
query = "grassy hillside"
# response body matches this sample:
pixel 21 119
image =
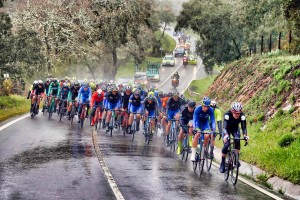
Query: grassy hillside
pixel 13 105
pixel 269 89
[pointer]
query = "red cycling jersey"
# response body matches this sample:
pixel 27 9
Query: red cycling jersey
pixel 97 98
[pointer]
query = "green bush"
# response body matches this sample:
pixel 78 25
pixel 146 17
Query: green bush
pixel 261 117
pixel 278 104
pixel 7 87
pixel 279 112
pixel 292 98
pixel 286 139
pixel 297 73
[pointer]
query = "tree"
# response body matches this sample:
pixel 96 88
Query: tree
pixel 119 21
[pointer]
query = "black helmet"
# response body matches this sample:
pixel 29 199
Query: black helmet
pixel 192 104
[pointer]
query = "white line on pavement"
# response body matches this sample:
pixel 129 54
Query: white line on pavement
pixel 254 186
pixel 170 75
pixel 105 169
pixel 12 122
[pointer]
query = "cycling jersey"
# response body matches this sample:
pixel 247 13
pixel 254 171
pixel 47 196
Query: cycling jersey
pixel 38 90
pixel 84 94
pixel 125 100
pixel 218 114
pixel 63 93
pixel 186 116
pixel 96 99
pixel 53 89
pixel 113 101
pixel 135 104
pixel 47 87
pixel 174 105
pixel 73 94
pixel 202 119
pixel 231 125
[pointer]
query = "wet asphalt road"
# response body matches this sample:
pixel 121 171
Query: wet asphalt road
pixel 42 159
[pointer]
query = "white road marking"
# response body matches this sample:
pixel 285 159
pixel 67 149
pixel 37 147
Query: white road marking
pixel 170 75
pixel 253 185
pixel 12 122
pixel 105 169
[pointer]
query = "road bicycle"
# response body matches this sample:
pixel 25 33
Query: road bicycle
pixel 62 109
pixel 83 114
pixel 133 128
pixel 112 122
pixel 148 129
pixel 201 152
pixel 172 141
pixel 232 161
pixel 185 143
pixel 51 108
pixel 73 111
pixel 98 117
pixel 124 124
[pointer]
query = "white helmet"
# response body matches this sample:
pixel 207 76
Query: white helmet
pixel 213 103
pixel 99 91
pixel 237 106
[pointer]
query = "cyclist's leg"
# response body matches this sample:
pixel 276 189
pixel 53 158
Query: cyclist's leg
pixel 224 153
pixel 194 146
pixel 79 111
pixel 171 115
pixel 237 144
pixel 180 139
pixel 145 118
pixel 190 132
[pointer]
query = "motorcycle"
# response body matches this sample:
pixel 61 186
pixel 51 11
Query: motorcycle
pixel 175 83
pixel 185 61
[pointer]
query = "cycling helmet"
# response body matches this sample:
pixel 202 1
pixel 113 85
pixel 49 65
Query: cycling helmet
pixel 92 81
pixel 236 106
pixel 192 104
pixel 103 87
pixel 137 92
pixel 55 80
pixel 206 101
pixel 40 82
pixel 65 85
pixel 213 103
pixel 76 83
pixel 86 85
pixel 128 88
pixel 48 80
pixel 151 98
pixel 35 82
pixel 74 78
pixel 115 89
pixel 99 91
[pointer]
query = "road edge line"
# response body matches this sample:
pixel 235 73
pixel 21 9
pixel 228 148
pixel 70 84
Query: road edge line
pixel 256 187
pixel 14 121
pixel 105 169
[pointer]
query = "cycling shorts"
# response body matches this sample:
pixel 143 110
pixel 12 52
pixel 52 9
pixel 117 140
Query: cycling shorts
pixel 172 113
pixel 204 126
pixel 151 113
pixel 83 100
pixel 96 103
pixel 136 109
pixel 111 106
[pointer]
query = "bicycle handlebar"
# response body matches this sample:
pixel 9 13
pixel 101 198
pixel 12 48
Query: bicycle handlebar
pixel 235 138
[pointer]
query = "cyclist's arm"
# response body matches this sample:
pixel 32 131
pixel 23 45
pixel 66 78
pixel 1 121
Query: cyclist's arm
pixel 195 118
pixel 90 93
pixel 58 92
pixel 79 95
pixel 225 125
pixel 243 124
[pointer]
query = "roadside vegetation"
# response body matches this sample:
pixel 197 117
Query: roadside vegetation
pixel 13 105
pixel 268 87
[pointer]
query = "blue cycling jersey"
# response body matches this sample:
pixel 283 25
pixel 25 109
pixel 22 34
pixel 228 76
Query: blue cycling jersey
pixel 202 119
pixel 84 94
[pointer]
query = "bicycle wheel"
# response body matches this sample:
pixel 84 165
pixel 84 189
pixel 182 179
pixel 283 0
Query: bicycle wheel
pixel 209 157
pixel 235 168
pixel 228 164
pixel 201 159
pixel 183 149
pixel 133 129
pixel 82 117
pixel 195 163
pixel 61 113
pixel 173 145
pixel 111 125
pixel 187 149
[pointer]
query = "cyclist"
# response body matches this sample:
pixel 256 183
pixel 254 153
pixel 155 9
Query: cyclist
pixel 93 85
pixel 232 119
pixel 186 119
pixel 113 103
pixel 53 91
pixel 218 116
pixel 151 108
pixel 135 105
pixel 125 99
pixel 63 94
pixel 173 111
pixel 73 94
pixel 37 93
pixel 84 96
pixel 175 76
pixel 202 116
pixel 97 100
pixel 31 88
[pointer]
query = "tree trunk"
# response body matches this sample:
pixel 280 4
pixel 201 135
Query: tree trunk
pixel 115 62
pixel 270 43
pixel 237 48
pixel 279 41
pixel 164 29
pixel 48 49
pixel 290 40
pixel 92 71
pixel 254 48
pixel 262 45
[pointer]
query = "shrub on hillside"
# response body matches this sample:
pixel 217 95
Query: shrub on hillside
pixel 286 139
pixel 7 87
pixel 297 73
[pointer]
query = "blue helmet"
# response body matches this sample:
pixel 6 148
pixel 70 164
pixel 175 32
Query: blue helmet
pixel 206 101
